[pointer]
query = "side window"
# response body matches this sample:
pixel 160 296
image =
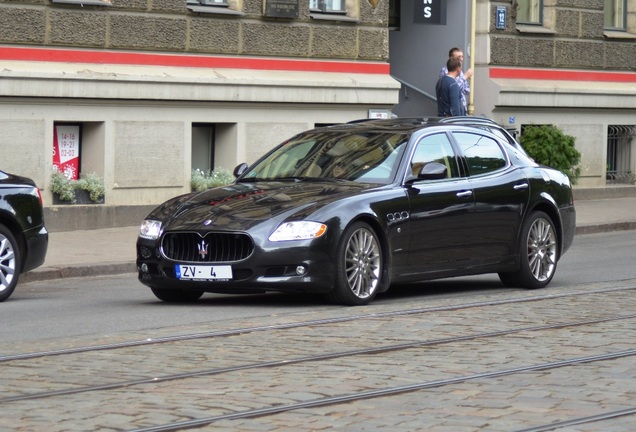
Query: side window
pixel 483 154
pixel 435 148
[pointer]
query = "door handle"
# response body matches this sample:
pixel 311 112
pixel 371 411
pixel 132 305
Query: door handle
pixel 522 186
pixel 464 194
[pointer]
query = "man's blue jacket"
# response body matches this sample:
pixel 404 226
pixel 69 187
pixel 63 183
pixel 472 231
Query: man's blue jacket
pixel 449 98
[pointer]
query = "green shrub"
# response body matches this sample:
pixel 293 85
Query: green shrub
pixel 548 145
pixel 201 180
pixel 65 188
pixel 93 184
pixel 62 186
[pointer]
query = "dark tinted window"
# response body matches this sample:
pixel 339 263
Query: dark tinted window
pixel 483 154
pixel 435 148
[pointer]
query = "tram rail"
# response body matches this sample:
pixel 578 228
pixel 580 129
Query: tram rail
pixel 464 340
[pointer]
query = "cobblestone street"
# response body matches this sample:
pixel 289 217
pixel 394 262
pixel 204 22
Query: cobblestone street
pixel 502 360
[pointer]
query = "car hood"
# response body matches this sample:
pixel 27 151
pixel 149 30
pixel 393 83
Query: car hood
pixel 244 205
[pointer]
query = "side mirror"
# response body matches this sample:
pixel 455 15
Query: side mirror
pixel 240 169
pixel 433 171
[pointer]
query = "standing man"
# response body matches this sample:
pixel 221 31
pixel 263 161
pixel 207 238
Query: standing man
pixel 449 99
pixel 462 79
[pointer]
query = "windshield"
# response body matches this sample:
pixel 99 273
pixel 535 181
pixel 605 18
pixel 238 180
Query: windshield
pixel 370 157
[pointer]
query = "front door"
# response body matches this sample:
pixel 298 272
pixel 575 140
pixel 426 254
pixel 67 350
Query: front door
pixel 442 210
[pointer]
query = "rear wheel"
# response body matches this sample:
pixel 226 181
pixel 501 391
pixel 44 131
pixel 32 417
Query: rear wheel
pixel 176 296
pixel 9 263
pixel 358 266
pixel 539 248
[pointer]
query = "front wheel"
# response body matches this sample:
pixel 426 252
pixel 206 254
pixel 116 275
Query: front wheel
pixel 176 296
pixel 358 266
pixel 539 248
pixel 9 263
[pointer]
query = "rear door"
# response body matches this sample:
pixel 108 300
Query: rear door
pixel 501 194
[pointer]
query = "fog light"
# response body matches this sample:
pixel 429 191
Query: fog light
pixel 144 268
pixel 301 270
pixel 145 252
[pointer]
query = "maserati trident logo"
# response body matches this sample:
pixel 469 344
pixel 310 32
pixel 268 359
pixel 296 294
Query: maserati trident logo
pixel 203 248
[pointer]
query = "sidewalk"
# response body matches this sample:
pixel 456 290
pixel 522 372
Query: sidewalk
pixel 112 250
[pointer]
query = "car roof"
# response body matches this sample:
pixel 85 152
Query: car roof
pixel 411 124
pixel 398 124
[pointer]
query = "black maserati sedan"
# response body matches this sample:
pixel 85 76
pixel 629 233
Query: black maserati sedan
pixel 348 210
pixel 23 236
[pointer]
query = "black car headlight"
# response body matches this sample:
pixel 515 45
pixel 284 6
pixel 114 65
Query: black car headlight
pixel 299 230
pixel 150 229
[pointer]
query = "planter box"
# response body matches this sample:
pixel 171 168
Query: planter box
pixel 81 197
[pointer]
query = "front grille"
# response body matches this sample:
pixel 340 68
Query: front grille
pixel 211 247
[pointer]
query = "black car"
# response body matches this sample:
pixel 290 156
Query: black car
pixel 23 236
pixel 348 210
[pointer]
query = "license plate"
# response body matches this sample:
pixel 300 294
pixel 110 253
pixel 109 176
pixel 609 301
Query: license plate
pixel 203 272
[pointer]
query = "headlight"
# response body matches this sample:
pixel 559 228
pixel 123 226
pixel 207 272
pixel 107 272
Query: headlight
pixel 300 230
pixel 150 229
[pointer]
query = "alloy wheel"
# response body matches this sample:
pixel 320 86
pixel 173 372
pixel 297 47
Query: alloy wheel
pixel 362 263
pixel 7 263
pixel 542 249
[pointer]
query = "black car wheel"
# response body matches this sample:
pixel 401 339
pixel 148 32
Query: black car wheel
pixel 539 247
pixel 176 296
pixel 358 267
pixel 9 263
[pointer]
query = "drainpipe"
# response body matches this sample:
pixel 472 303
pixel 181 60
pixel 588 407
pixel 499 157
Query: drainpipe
pixel 473 20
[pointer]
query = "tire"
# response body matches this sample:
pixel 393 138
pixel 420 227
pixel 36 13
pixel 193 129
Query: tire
pixel 359 264
pixel 538 251
pixel 176 296
pixel 9 263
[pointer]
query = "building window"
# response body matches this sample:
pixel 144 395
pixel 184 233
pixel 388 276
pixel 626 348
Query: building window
pixel 224 7
pixel 530 11
pixel 203 146
pixel 85 2
pixel 394 14
pixel 222 3
pixel 620 161
pixel 615 14
pixel 327 6
pixel 66 149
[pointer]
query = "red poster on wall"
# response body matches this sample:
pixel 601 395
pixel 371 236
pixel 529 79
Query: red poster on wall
pixel 66 146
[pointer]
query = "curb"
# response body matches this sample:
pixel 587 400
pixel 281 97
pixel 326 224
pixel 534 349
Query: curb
pixel 608 227
pixel 51 273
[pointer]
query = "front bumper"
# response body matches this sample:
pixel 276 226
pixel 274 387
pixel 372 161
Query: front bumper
pixel 285 269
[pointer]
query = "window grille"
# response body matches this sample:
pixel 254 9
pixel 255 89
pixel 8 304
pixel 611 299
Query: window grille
pixel 619 154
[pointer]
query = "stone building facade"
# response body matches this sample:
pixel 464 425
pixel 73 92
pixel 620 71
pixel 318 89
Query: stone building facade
pixel 570 70
pixel 159 87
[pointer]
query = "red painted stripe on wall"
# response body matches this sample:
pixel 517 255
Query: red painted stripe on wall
pixel 564 75
pixel 184 60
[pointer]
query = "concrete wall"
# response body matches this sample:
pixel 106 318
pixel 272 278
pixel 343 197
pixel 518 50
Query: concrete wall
pixel 137 115
pixel 143 149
